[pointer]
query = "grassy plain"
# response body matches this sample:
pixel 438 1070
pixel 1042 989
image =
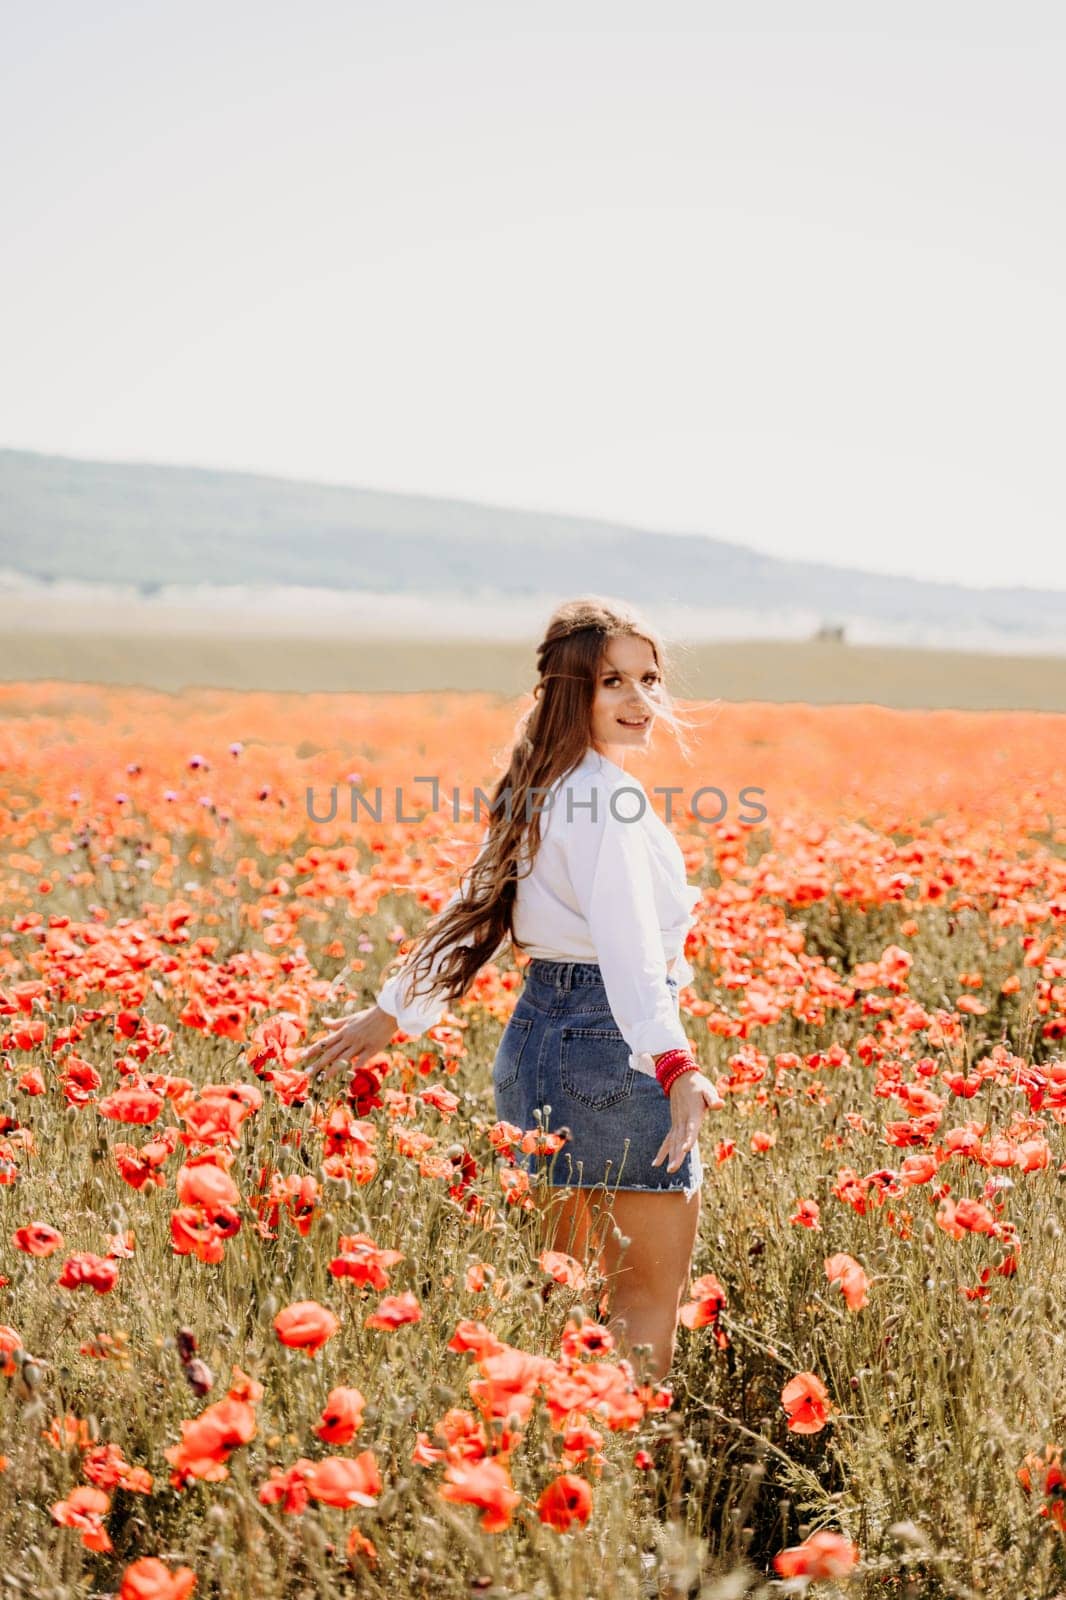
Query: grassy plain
pixel 761 670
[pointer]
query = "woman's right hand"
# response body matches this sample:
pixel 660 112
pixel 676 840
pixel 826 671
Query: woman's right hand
pixel 353 1040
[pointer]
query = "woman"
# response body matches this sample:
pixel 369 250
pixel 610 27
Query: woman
pixel 578 871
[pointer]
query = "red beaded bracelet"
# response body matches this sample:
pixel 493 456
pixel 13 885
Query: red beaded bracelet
pixel 668 1080
pixel 673 1065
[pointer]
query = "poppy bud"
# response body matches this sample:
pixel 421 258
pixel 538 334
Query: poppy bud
pixel 30 1375
pixel 199 1375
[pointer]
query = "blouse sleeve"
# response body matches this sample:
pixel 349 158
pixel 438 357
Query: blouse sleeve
pixel 610 869
pixel 417 1010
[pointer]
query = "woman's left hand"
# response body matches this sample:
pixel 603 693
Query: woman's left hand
pixel 692 1095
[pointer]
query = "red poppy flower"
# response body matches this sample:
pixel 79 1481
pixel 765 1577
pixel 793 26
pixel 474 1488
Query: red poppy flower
pixel 562 1268
pixel 138 1167
pixel 807 1402
pixel 342 1416
pixel 344 1481
pixel 208 1440
pixel 807 1215
pixel 288 1488
pixel 149 1579
pixel 394 1311
pixel 88 1271
pixel 486 1484
pixel 198 1232
pixel 823 1555
pixel 305 1325
pixel 205 1184
pixel 705 1308
pixel 10 1341
pixel 138 1106
pixel 84 1509
pixel 363 1261
pixel 853 1281
pixel 105 1466
pixel 360 1548
pixel 37 1239
pixel 565 1501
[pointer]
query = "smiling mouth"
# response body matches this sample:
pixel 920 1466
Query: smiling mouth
pixel 637 722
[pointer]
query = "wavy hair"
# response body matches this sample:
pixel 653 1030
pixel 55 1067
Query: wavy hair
pixel 551 738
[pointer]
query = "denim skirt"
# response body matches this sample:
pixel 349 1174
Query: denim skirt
pixel 562 1063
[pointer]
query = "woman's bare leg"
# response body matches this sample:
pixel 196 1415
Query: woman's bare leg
pixel 647 1278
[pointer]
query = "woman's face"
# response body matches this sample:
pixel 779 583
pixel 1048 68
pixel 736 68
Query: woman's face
pixel 628 661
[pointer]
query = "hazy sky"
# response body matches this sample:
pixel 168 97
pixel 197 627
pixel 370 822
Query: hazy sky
pixel 792 274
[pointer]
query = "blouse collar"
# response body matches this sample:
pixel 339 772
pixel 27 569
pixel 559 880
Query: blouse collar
pixel 593 760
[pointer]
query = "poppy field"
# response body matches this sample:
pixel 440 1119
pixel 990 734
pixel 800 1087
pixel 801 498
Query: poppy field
pixel 263 1339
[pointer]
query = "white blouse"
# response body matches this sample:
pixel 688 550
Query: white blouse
pixel 608 885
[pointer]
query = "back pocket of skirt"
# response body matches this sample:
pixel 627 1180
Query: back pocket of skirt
pixel 594 1066
pixel 510 1051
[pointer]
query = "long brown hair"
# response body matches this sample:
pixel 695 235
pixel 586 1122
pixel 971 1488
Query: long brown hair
pixel 551 738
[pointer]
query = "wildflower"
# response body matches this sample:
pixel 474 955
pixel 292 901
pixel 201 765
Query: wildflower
pixel 242 1387
pixel 342 1416
pixel 964 1216
pixel 823 1555
pixel 706 1306
pixel 305 1325
pixel 106 1467
pixel 69 1432
pixel 486 1484
pixel 149 1579
pixel 197 1231
pixel 212 1121
pixel 139 1167
pixel 360 1548
pixel 475 1336
pixel 1051 1478
pixel 917 1169
pixel 80 1081
pixel 591 1338
pixel 363 1261
pixel 345 1481
pixel 807 1402
pixel 37 1239
pixel 288 1488
pixel 84 1509
pixel 582 1443
pixel 846 1271
pixel 205 1184
pixel 566 1500
pixel 563 1268
pixel 208 1441
pixel 511 1380
pixel 394 1311
pixel 86 1270
pixel 10 1341
pixel 131 1105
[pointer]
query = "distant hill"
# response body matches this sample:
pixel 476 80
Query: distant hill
pixel 63 518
